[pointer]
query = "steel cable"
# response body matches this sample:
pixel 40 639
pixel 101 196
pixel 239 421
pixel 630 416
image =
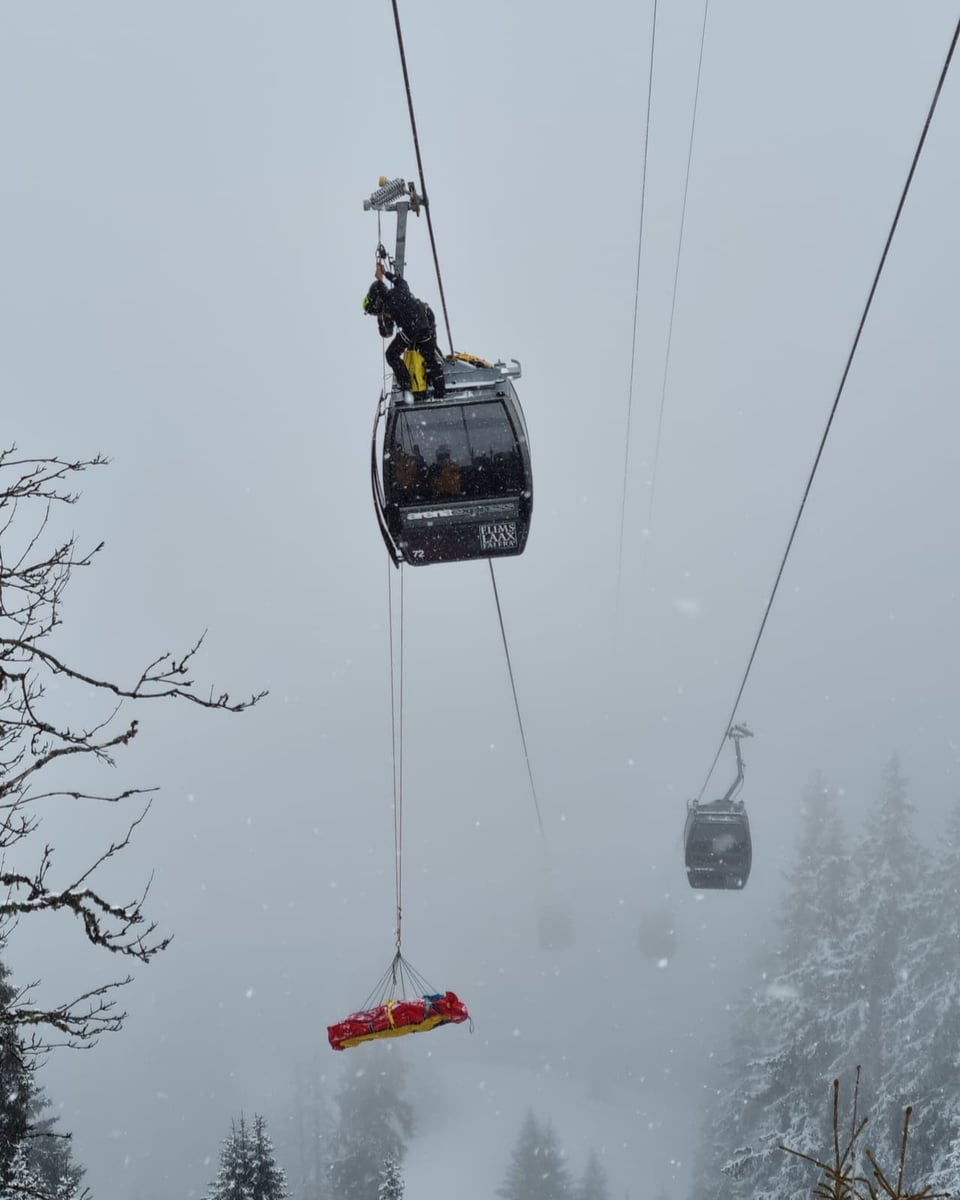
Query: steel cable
pixel 839 393
pixel 516 701
pixel 423 184
pixel 636 309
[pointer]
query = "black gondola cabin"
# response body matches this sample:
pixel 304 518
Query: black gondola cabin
pixel 716 843
pixel 451 477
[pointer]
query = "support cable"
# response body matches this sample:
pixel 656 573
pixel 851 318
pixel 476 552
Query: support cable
pixel 676 284
pixel 423 184
pixel 636 308
pixel 839 393
pixel 516 701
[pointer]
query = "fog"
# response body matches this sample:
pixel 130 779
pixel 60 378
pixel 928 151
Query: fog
pixel 184 254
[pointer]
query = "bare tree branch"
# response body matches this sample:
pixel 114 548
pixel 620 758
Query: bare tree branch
pixel 81 1020
pixel 158 679
pixel 36 564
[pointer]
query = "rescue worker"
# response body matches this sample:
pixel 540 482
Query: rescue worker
pixel 397 308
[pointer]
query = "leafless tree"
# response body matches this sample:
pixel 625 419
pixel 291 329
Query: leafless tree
pixel 37 742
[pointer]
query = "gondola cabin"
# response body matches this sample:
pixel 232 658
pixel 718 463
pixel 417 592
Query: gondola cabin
pixel 716 844
pixel 451 477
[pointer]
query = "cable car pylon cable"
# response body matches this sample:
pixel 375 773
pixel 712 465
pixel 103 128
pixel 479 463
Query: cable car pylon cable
pixel 516 701
pixel 423 185
pixel 836 400
pixel 673 299
pixel 636 310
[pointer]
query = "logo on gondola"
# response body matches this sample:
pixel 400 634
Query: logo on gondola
pixel 502 536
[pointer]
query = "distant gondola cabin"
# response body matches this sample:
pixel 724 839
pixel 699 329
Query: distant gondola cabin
pixel 717 847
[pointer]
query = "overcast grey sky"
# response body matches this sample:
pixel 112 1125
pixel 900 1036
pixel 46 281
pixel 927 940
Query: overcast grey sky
pixel 184 252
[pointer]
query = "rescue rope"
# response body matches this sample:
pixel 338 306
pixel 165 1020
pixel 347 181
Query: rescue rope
pixel 400 979
pixel 839 393
pixel 423 184
pixel 396 725
pixel 516 701
pixel 636 310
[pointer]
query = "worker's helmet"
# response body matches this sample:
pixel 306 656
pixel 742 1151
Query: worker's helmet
pixel 373 301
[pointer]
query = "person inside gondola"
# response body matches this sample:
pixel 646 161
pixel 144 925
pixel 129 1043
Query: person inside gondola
pixel 396 307
pixel 409 473
pixel 445 474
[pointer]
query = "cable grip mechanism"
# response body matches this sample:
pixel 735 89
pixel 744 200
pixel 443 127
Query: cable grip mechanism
pixel 400 197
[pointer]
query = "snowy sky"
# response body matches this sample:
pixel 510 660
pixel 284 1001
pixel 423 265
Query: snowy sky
pixel 184 251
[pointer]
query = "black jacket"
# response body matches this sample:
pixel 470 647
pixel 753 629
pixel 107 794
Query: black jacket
pixel 415 318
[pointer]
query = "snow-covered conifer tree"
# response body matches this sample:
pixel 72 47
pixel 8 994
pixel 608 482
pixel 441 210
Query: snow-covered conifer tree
pixel 48 1153
pixel 391 1181
pixel 35 1159
pixel 784 1044
pixel 269 1179
pixel 537 1169
pixel 235 1177
pixel 928 1005
pixel 20 1182
pixel 24 1183
pixel 375 1123
pixel 888 923
pixel 14 1082
pixel 860 983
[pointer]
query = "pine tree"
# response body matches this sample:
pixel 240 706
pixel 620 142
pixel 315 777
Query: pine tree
pixel 537 1170
pixel 35 1159
pixel 784 1044
pixel 391 1181
pixel 235 1177
pixel 25 1183
pixel 14 1083
pixel 522 1175
pixel 269 1180
pixel 20 1182
pixel 929 983
pixel 593 1183
pixel 374 1124
pixel 48 1152
pixel 861 984
pixel 889 922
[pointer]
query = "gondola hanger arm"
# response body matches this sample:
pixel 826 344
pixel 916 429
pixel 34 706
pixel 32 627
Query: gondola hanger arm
pixel 736 732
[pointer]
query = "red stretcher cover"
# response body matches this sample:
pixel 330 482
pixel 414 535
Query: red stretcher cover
pixel 397 1017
